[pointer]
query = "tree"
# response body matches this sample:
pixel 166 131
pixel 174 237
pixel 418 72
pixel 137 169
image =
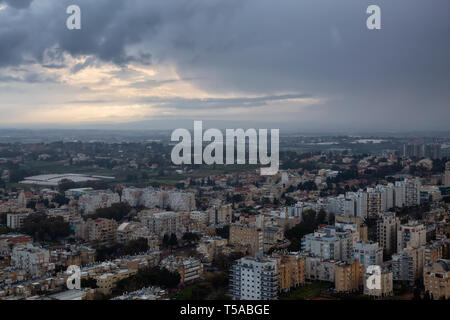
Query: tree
pixel 117 211
pixel 153 276
pixel 322 217
pixel 165 240
pixel 44 228
pixel 66 184
pixel 89 283
pixel 223 232
pixel 190 237
pixel 173 241
pixel 61 199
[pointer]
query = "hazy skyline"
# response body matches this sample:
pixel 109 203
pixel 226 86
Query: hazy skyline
pixel 307 64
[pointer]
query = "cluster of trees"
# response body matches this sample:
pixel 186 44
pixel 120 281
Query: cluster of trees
pixel 308 186
pixel 224 262
pixel 170 241
pixel 223 232
pixel 132 247
pixel 43 228
pixel 66 184
pixel 117 211
pixel 214 287
pixel 153 276
pixel 311 220
pixel 89 283
pixel 190 238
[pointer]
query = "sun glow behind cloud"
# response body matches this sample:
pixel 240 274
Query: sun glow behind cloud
pixel 84 89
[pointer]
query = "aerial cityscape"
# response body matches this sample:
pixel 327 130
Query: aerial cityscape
pixel 224 151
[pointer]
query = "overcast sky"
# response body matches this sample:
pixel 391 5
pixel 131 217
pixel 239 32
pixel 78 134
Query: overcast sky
pixel 306 64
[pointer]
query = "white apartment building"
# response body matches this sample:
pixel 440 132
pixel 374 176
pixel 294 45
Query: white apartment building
pixel 368 253
pixel 254 279
pixel 15 220
pixel 407 265
pixel 34 260
pixel 165 223
pixel 413 234
pixel 318 269
pixel 330 243
pixel 407 193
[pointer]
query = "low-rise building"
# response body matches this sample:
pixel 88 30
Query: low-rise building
pixel 34 260
pixel 190 269
pixel 437 279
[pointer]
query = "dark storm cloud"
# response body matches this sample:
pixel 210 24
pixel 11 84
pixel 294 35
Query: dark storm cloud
pixel 18 4
pixel 397 77
pixel 109 28
pixel 222 103
pixel 204 104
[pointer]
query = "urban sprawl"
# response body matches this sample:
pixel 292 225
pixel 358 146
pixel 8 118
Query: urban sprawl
pixel 141 228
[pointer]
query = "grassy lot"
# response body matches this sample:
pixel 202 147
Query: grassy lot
pixel 306 292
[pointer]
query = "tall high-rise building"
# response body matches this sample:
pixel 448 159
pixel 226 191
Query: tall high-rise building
pixel 407 265
pixel 399 194
pixel 447 174
pixel 387 227
pixel 412 192
pixel 419 149
pixel 411 235
pixel 254 279
pixel 433 151
pixel 407 193
pixel 414 150
pixel 375 202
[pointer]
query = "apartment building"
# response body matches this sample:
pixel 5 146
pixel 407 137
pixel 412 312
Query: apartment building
pixel 209 247
pixel 407 265
pixel 437 279
pixel 125 231
pixel 348 277
pixel 319 269
pixel 8 241
pixel 190 269
pixel 247 235
pixel 34 260
pixel 330 243
pixel 412 234
pixel 447 174
pixel 107 281
pixel 356 224
pixel 387 228
pixel 368 253
pixel 254 279
pixel 291 270
pixel 15 220
pixel 221 214
pixel 375 202
pixel 103 230
pixel 168 222
pixel 386 285
pixel 434 252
